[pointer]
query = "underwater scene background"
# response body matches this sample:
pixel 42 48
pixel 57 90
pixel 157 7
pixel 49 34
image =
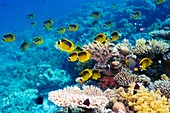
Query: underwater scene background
pixel 85 56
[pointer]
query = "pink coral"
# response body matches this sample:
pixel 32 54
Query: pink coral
pixel 75 97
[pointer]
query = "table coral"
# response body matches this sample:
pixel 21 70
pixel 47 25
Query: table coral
pixel 144 101
pixel 75 97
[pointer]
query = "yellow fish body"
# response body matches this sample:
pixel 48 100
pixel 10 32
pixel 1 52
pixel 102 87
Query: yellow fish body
pixel 25 45
pixel 86 74
pixel 108 24
pixel 101 37
pixel 10 37
pixel 65 45
pixel 31 16
pixel 48 24
pixel 159 1
pixel 61 30
pixel 136 14
pixel 34 23
pixel 73 27
pixel 73 57
pixel 145 62
pixel 38 41
pixel 114 36
pixel 84 56
pixel 95 74
pixel 96 14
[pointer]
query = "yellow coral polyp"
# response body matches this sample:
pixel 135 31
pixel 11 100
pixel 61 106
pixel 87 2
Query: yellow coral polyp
pixel 145 101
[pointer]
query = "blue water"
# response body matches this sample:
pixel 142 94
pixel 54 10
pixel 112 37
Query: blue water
pixel 25 75
pixel 14 13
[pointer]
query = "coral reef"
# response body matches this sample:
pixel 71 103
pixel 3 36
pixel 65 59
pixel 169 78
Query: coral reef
pixel 146 101
pixel 166 24
pixel 75 97
pixel 19 101
pixel 161 34
pixel 124 78
pixel 163 86
pixel 44 68
pixel 107 82
pixel 101 52
pixel 150 48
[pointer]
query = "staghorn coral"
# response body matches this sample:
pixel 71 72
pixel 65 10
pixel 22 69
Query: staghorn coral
pixel 160 33
pixel 144 101
pixel 101 52
pixel 124 78
pixel 75 97
pixel 163 86
pixel 150 48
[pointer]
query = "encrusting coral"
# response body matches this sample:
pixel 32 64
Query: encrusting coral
pixel 150 48
pixel 144 101
pixel 101 52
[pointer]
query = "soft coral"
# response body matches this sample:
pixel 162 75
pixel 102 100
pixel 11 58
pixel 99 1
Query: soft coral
pixel 107 82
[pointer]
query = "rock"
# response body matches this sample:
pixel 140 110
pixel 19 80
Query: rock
pixel 124 50
pixel 119 105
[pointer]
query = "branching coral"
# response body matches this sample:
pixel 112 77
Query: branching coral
pixel 124 78
pixel 163 86
pixel 101 52
pixel 144 101
pixel 75 97
pixel 150 48
pixel 160 33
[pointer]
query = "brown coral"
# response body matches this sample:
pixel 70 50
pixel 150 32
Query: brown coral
pixel 163 86
pixel 124 78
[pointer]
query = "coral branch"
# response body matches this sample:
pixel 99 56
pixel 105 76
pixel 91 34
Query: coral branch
pixel 101 52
